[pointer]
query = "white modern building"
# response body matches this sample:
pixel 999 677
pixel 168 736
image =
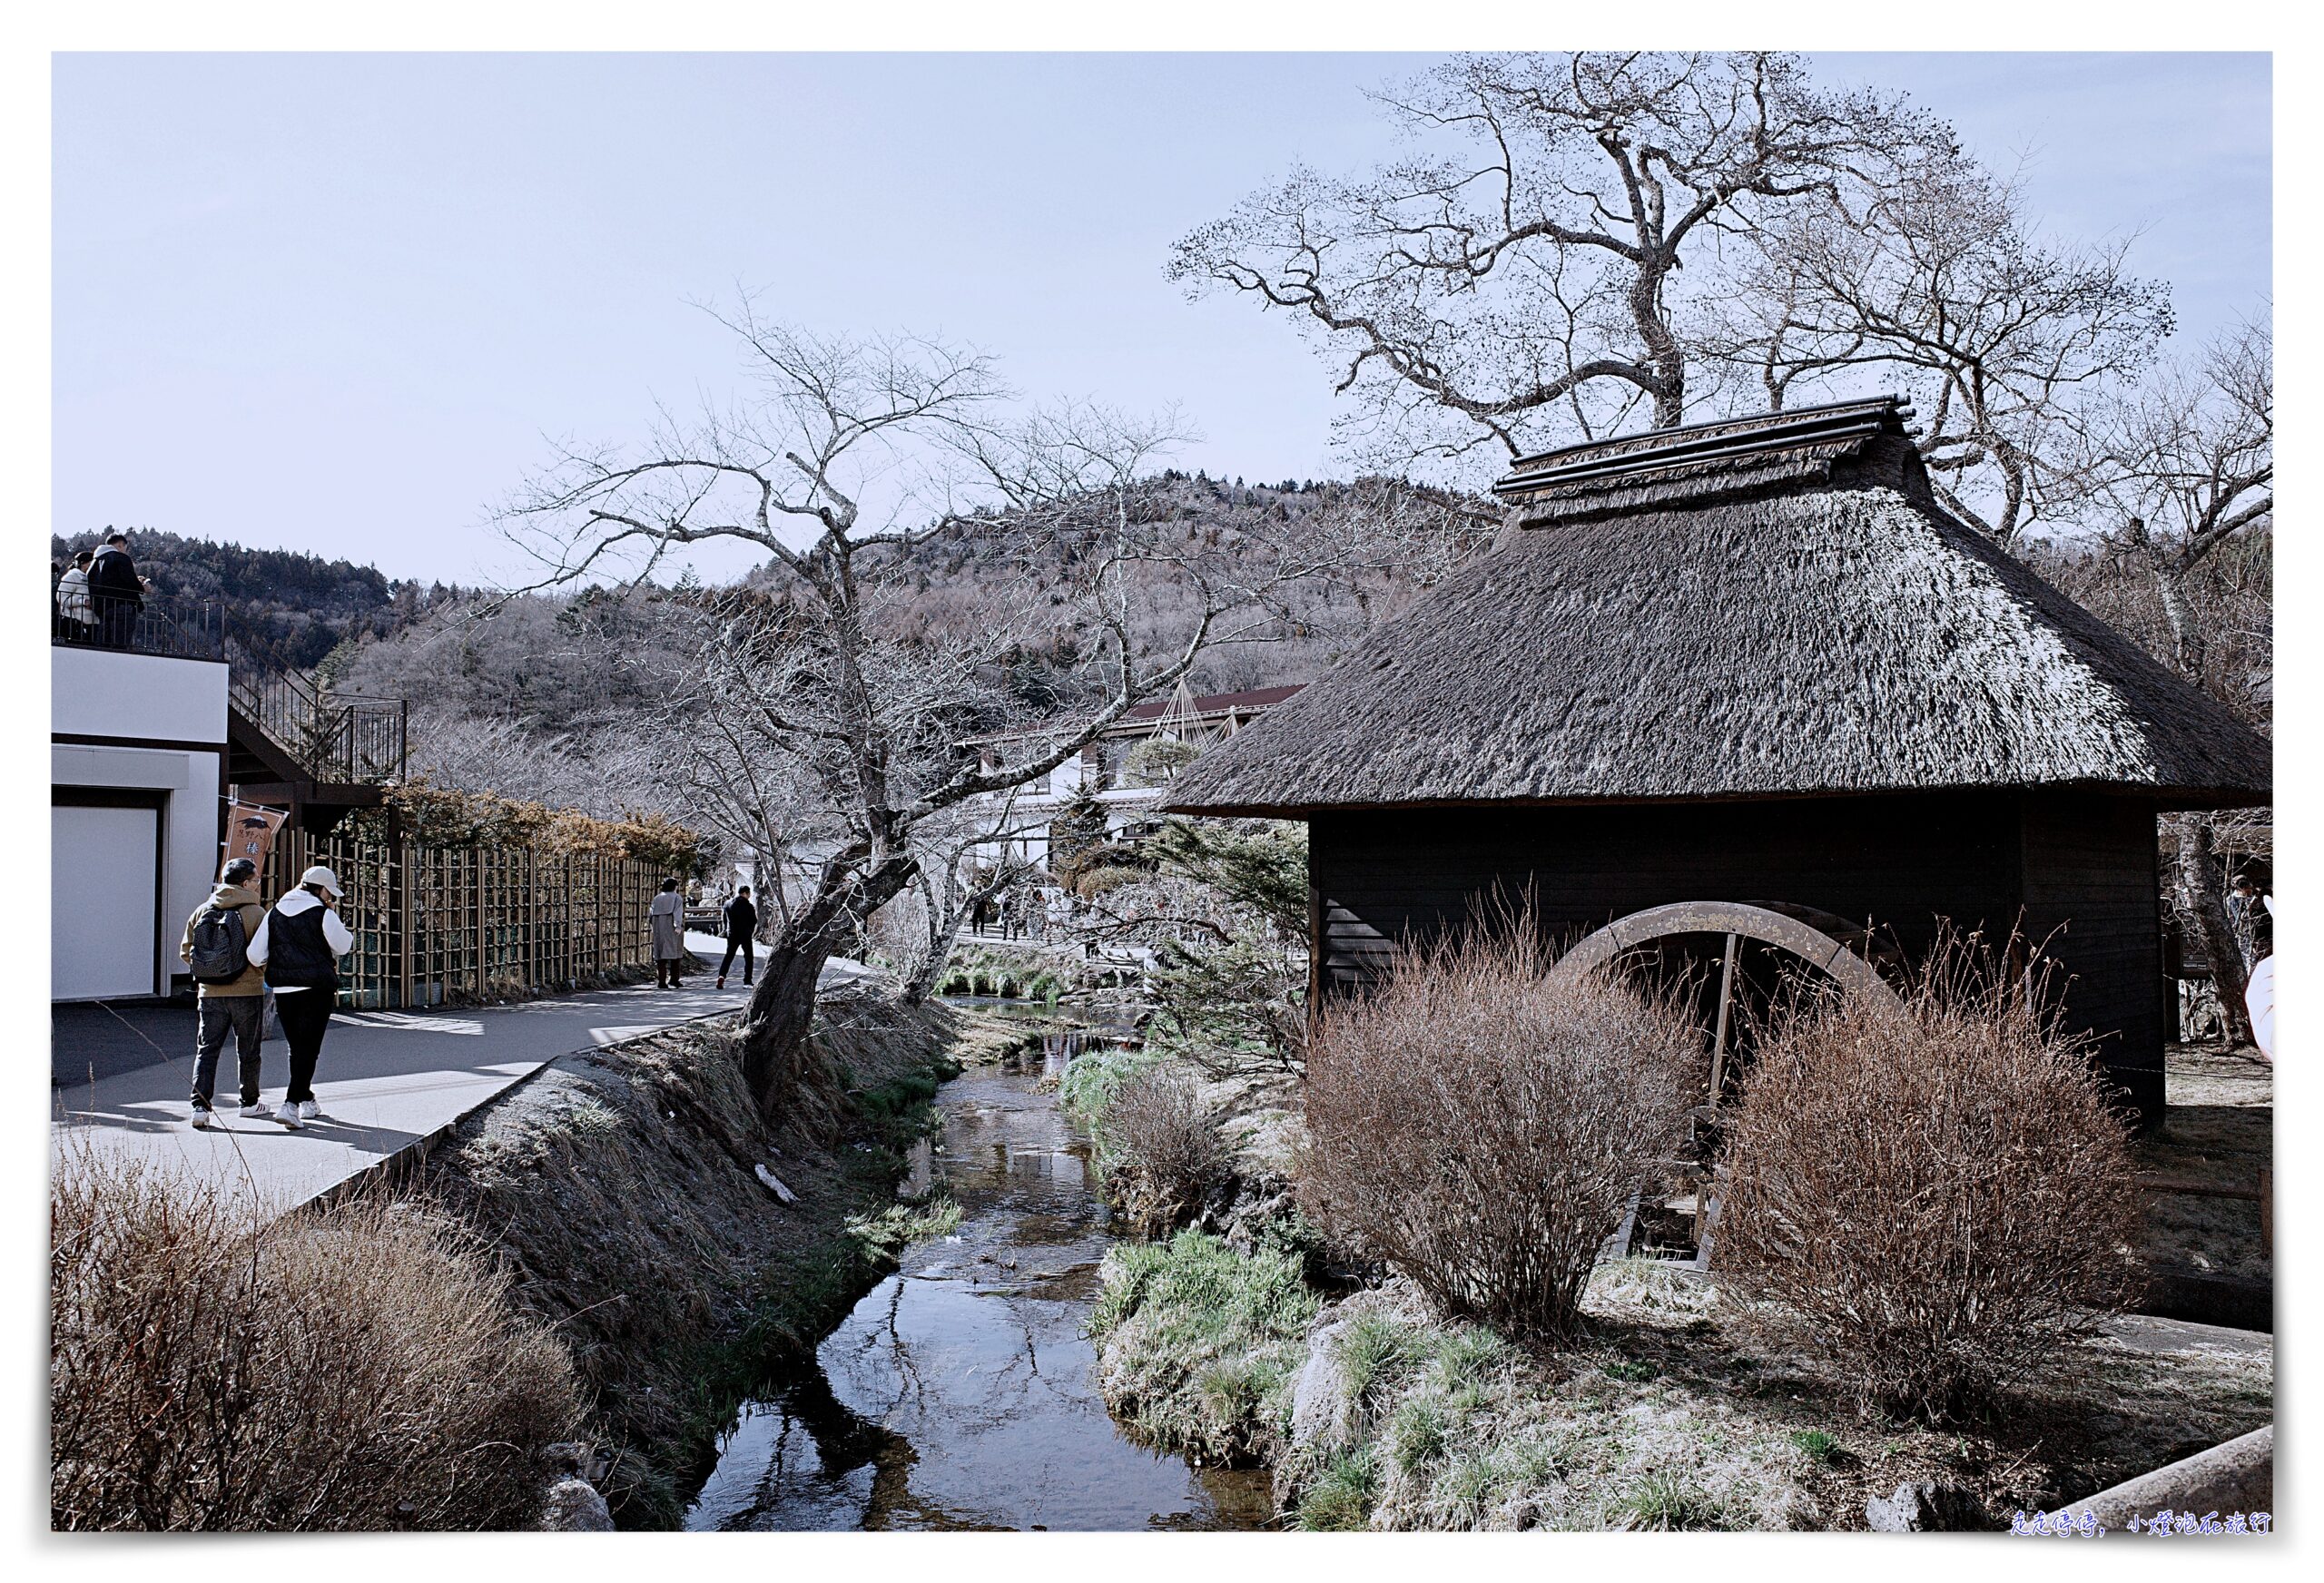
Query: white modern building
pixel 137 757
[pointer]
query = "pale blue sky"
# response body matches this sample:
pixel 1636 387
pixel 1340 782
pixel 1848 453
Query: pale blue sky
pixel 332 302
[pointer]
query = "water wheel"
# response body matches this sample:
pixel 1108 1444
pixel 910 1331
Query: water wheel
pixel 1843 952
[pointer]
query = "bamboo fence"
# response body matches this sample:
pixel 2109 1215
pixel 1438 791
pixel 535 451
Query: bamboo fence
pixel 442 925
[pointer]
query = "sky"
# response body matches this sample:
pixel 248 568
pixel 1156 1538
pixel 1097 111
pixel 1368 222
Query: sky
pixel 338 303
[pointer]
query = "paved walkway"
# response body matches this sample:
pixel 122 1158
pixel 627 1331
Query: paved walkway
pixel 387 1080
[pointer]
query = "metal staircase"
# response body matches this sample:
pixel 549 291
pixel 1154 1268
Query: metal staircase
pixel 293 730
pixel 296 744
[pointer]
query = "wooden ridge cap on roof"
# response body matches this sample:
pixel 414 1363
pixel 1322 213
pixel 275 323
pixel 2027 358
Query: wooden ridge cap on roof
pixel 1708 461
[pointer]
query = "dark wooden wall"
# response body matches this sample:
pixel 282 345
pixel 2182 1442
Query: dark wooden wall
pixel 1900 864
pixel 2092 889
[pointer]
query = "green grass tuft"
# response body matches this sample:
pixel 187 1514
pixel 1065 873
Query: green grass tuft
pixel 1667 1500
pixel 1090 1083
pixel 1416 1434
pixel 1819 1446
pixel 1375 1355
pixel 1199 1345
pixel 1340 1498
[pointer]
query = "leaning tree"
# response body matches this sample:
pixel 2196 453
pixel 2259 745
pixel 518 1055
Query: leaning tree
pixel 848 465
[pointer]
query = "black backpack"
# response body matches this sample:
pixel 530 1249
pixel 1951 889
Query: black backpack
pixel 222 947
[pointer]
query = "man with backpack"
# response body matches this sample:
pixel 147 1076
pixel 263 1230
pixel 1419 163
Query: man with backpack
pixel 232 989
pixel 298 945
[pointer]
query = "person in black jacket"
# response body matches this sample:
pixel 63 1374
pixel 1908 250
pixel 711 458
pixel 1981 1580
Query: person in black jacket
pixel 742 919
pixel 299 944
pixel 116 593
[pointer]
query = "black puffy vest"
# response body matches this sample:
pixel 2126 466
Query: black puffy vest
pixel 297 956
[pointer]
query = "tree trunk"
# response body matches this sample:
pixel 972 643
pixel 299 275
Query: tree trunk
pixel 2186 635
pixel 776 1051
pixel 758 894
pixel 944 935
pixel 2199 876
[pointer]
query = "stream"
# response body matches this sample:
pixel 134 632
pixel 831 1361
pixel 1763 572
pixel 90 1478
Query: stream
pixel 958 1392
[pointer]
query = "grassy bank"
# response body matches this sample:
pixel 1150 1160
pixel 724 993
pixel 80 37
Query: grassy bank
pixel 1672 1411
pixel 622 1186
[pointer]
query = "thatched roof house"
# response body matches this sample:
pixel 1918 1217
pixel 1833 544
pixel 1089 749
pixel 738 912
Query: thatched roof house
pixel 1751 658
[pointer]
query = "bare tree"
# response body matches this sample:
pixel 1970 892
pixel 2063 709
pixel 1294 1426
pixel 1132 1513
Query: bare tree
pixel 1389 540
pixel 968 856
pixel 2179 466
pixel 1936 281
pixel 564 769
pixel 847 457
pixel 1532 273
pixel 709 746
pixel 2174 474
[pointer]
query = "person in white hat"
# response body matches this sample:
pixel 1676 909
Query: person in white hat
pixel 298 945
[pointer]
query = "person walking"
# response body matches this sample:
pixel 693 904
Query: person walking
pixel 116 592
pixel 2244 918
pixel 667 918
pixel 742 919
pixel 231 990
pixel 298 945
pixel 75 616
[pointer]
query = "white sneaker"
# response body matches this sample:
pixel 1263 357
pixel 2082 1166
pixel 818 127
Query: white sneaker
pixel 287 1114
pixel 203 1120
pixel 260 1111
pixel 309 1109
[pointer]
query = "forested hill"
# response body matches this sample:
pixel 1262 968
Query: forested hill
pixel 294 608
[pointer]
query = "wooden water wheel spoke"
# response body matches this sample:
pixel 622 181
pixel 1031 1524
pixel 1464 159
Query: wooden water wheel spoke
pixel 1726 1005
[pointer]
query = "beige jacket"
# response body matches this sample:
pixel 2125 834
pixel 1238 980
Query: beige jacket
pixel 245 899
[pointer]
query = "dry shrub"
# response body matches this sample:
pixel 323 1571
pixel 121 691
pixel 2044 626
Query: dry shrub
pixel 1936 1192
pixel 1162 1149
pixel 360 1367
pixel 1479 1125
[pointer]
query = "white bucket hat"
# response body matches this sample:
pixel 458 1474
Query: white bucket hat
pixel 319 875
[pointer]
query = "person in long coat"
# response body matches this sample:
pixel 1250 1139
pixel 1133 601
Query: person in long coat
pixel 667 916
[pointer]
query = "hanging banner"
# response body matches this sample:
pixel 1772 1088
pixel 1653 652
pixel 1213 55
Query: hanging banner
pixel 250 833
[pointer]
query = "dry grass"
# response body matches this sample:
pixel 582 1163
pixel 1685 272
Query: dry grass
pixel 1162 1148
pixel 1479 1127
pixel 355 1368
pixel 1935 1192
pixel 1674 1407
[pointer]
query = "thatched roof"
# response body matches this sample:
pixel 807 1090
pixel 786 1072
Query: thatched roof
pixel 1774 607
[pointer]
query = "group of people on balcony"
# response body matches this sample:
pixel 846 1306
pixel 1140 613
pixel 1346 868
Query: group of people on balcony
pixel 98 597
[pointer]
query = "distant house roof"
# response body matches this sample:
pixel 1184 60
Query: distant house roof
pixel 1217 703
pixel 1769 607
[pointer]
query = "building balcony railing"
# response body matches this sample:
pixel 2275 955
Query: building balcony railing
pixel 170 625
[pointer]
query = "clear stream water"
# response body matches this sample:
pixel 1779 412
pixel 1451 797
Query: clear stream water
pixel 958 1392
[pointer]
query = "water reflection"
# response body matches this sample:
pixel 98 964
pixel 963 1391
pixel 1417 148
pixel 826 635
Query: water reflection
pixel 958 1392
